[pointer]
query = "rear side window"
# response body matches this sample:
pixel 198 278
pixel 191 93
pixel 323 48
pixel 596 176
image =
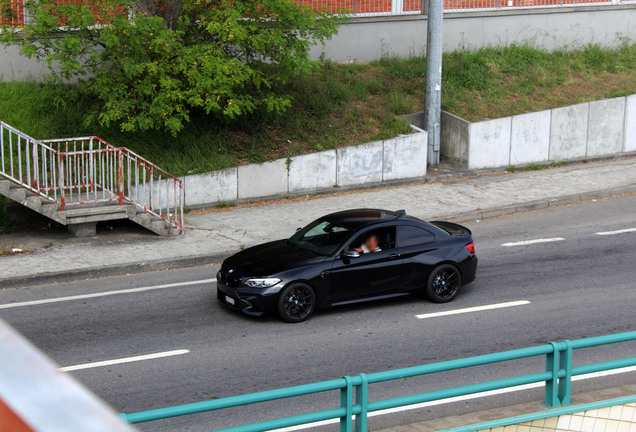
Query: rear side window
pixel 412 236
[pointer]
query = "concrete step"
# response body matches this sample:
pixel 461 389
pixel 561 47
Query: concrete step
pixel 82 215
pixel 31 200
pixel 34 202
pixel 159 227
pixel 82 218
pixel 154 224
pixel 105 208
pixel 49 209
pixel 5 185
pixel 18 195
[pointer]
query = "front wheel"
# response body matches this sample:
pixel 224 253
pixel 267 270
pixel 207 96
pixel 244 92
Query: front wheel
pixel 443 284
pixel 296 303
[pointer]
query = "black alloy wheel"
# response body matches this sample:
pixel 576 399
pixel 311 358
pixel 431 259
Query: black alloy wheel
pixel 443 284
pixel 296 303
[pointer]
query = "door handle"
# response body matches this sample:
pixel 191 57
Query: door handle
pixel 394 255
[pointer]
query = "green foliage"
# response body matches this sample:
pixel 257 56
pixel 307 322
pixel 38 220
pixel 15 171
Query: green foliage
pixel 497 82
pixel 409 68
pixel 393 126
pixel 374 87
pixel 399 103
pixel 467 69
pixel 598 58
pixel 537 167
pixel 152 71
pixel 335 105
pixel 519 59
pixel 359 89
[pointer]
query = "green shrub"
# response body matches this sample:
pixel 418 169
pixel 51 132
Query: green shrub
pixel 400 103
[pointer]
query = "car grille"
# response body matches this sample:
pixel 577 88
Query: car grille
pixel 227 278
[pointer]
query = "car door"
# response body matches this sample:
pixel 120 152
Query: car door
pixel 419 252
pixel 368 275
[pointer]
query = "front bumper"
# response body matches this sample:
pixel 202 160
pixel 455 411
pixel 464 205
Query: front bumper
pixel 251 301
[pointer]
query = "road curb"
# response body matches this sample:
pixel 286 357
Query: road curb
pixel 112 270
pixel 204 259
pixel 541 204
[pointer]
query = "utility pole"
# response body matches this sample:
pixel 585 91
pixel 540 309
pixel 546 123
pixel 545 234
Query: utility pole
pixel 434 78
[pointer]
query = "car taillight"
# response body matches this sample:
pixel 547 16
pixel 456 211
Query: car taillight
pixel 470 247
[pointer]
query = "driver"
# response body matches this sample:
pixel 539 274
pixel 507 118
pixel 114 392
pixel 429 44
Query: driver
pixel 371 244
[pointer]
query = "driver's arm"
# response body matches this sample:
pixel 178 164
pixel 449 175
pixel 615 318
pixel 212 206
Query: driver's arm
pixel 362 249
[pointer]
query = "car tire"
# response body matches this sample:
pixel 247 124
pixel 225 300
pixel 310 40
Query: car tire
pixel 443 283
pixel 296 303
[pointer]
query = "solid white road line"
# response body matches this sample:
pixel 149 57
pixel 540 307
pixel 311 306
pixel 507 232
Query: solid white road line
pixel 461 398
pixel 620 231
pixel 124 360
pixel 529 242
pixel 103 294
pixel 473 309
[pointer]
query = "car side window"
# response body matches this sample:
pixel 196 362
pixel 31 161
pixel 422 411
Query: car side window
pixel 385 238
pixel 412 236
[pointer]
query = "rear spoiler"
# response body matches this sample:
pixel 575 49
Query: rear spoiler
pixel 452 228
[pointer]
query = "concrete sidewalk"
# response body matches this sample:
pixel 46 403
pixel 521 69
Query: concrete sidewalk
pixel 214 234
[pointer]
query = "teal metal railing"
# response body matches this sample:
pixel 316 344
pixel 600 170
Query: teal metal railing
pixel 355 405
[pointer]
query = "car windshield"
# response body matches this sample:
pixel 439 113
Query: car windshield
pixel 321 237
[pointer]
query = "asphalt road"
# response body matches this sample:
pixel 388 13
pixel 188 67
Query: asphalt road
pixel 578 284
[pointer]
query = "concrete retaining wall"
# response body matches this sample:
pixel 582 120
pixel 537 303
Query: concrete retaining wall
pixel 454 132
pixel 605 127
pixel 14 67
pixel 489 143
pixel 366 39
pixel 399 158
pixel 630 123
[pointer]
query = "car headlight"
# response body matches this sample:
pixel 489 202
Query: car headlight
pixel 261 283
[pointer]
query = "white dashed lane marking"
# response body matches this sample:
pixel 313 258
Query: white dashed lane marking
pixel 124 360
pixel 473 309
pixel 103 294
pixel 620 231
pixel 535 241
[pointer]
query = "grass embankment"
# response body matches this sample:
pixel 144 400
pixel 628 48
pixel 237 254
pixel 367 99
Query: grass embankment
pixel 344 104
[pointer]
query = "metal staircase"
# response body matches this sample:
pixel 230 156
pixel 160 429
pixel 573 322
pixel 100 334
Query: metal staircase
pixel 78 182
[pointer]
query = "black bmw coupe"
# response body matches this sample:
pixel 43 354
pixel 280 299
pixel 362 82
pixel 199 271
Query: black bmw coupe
pixel 349 257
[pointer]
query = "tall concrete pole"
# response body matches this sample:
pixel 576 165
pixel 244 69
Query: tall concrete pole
pixel 434 78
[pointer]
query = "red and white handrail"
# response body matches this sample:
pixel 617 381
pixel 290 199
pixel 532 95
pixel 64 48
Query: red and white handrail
pixel 76 171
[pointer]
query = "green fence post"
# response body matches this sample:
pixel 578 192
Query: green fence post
pixel 362 399
pixel 551 386
pixel 565 363
pixel 346 401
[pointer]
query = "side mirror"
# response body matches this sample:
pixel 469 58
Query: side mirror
pixel 351 253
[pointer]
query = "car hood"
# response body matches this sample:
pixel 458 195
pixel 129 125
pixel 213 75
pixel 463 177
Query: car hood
pixel 268 259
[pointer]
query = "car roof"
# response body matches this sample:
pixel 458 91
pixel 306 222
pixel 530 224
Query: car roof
pixel 359 218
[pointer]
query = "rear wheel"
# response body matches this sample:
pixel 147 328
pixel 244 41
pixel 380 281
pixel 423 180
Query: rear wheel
pixel 296 303
pixel 443 284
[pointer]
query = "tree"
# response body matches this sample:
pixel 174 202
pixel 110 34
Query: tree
pixel 151 62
